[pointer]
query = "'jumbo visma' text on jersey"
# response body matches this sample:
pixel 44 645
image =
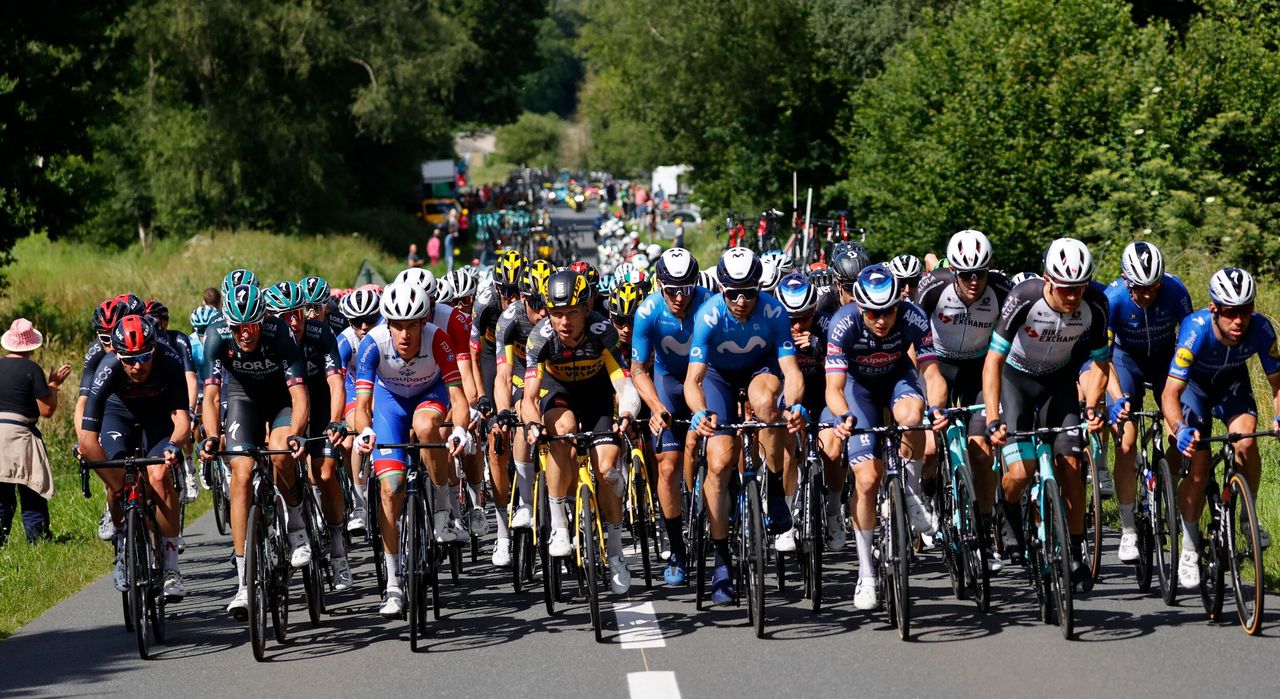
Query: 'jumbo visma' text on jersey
pixel 853 347
pixel 1148 333
pixel 663 338
pixel 1038 340
pixel 164 391
pixel 272 366
pixel 484 319
pixel 960 331
pixel 593 357
pixel 320 357
pixel 378 362
pixel 728 344
pixel 1201 356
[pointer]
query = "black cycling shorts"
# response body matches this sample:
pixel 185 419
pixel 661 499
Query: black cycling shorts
pixel 591 402
pixel 1051 400
pixel 248 422
pixel 964 388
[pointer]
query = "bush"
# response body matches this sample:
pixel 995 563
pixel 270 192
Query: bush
pixel 534 140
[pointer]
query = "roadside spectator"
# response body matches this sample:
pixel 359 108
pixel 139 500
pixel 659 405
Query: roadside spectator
pixel 659 195
pixel 25 397
pixel 433 246
pixel 413 260
pixel 642 203
pixel 213 298
pixel 450 241
pixel 453 222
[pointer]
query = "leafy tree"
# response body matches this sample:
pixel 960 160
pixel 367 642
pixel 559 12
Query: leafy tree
pixel 553 88
pixel 510 35
pixel 534 140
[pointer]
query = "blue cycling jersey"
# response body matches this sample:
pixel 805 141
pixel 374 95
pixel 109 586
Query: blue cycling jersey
pixel 662 337
pixel 1202 357
pixel 1148 333
pixel 197 356
pixel 727 344
pixel 853 347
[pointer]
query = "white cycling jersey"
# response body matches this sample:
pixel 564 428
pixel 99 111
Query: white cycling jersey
pixel 378 362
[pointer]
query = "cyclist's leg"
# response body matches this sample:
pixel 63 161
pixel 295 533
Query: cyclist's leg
pixel 392 417
pixel 1020 394
pixel 429 412
pixel 359 507
pixel 670 447
pixel 1127 378
pixel 248 431
pixel 561 466
pixel 764 393
pixel 868 471
pixel 1239 412
pixel 1062 407
pixel 722 461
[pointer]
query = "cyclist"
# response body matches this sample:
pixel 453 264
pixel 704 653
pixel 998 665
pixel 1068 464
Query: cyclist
pixel 266 401
pixel 907 269
pixel 138 399
pixel 514 327
pixel 105 317
pixel 774 265
pixel 407 378
pixel 178 341
pixel 1208 378
pixel 363 308
pixel 809 328
pixel 489 305
pixel 1146 306
pixel 463 285
pixel 571 378
pixel 845 267
pixel 316 296
pixel 323 366
pixel 599 299
pixel 1030 373
pixel 201 319
pixel 622 304
pixel 659 361
pixel 741 341
pixel 962 300
pixel 870 370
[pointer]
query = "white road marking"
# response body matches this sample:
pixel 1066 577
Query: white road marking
pixel 638 625
pixel 653 685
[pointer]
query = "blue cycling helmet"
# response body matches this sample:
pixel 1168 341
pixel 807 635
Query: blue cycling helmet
pixel 877 288
pixel 797 294
pixel 204 316
pixel 236 277
pixel 314 290
pixel 282 297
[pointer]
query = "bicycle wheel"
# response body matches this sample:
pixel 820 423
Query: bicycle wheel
pixel 817 538
pixel 139 568
pixel 517 559
pixel 454 552
pixel 255 573
pixel 1165 528
pixel 373 506
pixel 155 591
pixel 641 521
pixel 280 572
pixel 1245 554
pixel 698 543
pixel 973 555
pixel 753 535
pixel 1213 572
pixel 953 543
pixel 900 539
pixel 1092 521
pixel 414 597
pixel 220 516
pixel 1057 553
pixel 1143 507
pixel 312 575
pixel 550 566
pixel 588 548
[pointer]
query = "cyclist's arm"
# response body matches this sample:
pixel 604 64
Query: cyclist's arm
pixel 89 426
pixel 502 386
pixel 529 411
pixel 1273 380
pixel 300 414
pixel 644 385
pixel 212 408
pixel 460 338
pixel 1171 402
pixel 792 380
pixel 181 425
pixel 367 357
pixel 693 395
pixel 337 396
pixel 836 402
pixel 992 370
pixel 193 390
pixel 935 384
pixel 628 398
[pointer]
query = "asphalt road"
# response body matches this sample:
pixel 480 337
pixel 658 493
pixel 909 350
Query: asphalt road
pixel 493 643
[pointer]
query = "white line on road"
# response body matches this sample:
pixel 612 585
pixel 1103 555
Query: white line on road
pixel 638 625
pixel 653 685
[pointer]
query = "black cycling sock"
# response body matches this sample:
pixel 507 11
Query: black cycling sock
pixel 930 486
pixel 675 535
pixel 1077 546
pixel 721 547
pixel 984 530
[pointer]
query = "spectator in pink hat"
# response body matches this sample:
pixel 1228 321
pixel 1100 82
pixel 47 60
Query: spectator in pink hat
pixel 25 397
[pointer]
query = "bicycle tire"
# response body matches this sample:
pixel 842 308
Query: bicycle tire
pixel 753 533
pixel 1143 507
pixel 215 487
pixel 1212 590
pixel 641 524
pixel 431 554
pixel 255 579
pixel 1092 521
pixel 414 599
pixel 973 555
pixel 281 573
pixel 698 546
pixel 900 551
pixel 590 555
pixel 953 543
pixel 1057 549
pixel 1245 554
pixel 455 561
pixel 372 507
pixel 156 608
pixel 817 538
pixel 139 581
pixel 124 600
pixel 1166 530
pixel 550 566
pixel 517 560
pixel 312 577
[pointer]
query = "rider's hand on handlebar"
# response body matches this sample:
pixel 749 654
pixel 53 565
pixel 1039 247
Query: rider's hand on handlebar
pixel 461 442
pixel 659 422
pixel 704 423
pixel 337 432
pixel 171 454
pixel 533 432
pixel 938 419
pixel 997 433
pixel 365 440
pixel 797 417
pixel 208 447
pixel 1093 419
pixel 1118 411
pixel 844 428
pixel 1188 439
pixel 623 423
pixel 296 445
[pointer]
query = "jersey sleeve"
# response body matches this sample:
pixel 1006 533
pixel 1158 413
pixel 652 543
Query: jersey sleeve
pixel 841 324
pixel 641 347
pixel 1190 334
pixel 174 396
pixel 295 370
pixel 345 350
pixel 182 346
pixel 704 325
pixel 1012 313
pixel 101 385
pixel 504 351
pixel 1097 339
pixel 920 333
pixel 213 348
pixel 89 366
pixel 459 335
pixel 445 358
pixel 1269 354
pixel 537 345
pixel 333 363
pixel 930 290
pixel 367 357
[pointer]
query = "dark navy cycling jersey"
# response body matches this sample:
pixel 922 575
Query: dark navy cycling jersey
pixel 89 365
pixel 164 391
pixel 1201 357
pixel 320 356
pixel 269 370
pixel 852 347
pixel 181 345
pixel 1148 333
pixel 659 336
pixel 727 344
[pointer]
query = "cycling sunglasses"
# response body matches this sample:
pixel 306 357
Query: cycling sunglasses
pixel 674 291
pixel 237 328
pixel 1146 289
pixel 1070 289
pixel 747 294
pixel 873 314
pixel 369 320
pixel 136 359
pixel 621 320
pixel 1235 312
pixel 972 275
pixel 509 292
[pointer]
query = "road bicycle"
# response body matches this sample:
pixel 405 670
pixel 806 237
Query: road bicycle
pixel 965 547
pixel 639 508
pixel 1155 511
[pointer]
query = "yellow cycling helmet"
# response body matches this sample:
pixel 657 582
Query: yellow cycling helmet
pixel 511 267
pixel 565 289
pixel 624 299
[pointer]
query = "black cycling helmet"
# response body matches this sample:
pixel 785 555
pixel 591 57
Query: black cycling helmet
pixel 565 289
pixel 157 310
pixel 846 266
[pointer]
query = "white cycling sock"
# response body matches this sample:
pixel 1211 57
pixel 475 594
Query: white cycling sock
pixel 866 559
pixel 613 539
pixel 442 499
pixel 913 468
pixel 293 520
pixel 559 515
pixel 1126 518
pixel 358 500
pixel 500 519
pixel 392 561
pixel 337 544
pixel 1190 535
pixel 473 490
pixel 524 482
pixel 170 552
pixel 239 572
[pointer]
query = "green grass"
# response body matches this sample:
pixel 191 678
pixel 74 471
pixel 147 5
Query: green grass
pixel 57 284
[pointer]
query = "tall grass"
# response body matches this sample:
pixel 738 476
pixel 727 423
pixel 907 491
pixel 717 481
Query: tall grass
pixel 57 284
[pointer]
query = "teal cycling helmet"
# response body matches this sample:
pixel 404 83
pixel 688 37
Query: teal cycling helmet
pixel 203 317
pixel 283 297
pixel 235 278
pixel 244 305
pixel 314 290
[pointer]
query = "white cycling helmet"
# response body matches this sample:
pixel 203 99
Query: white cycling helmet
pixel 360 303
pixel 739 268
pixel 444 292
pixel 1022 277
pixel 877 288
pixel 1068 262
pixel 640 262
pixel 463 282
pixel 653 250
pixel 969 251
pixel 1142 264
pixel 623 271
pixel 1232 287
pixel 405 301
pixel 771 273
pixel 707 279
pixel 906 267
pixel 419 277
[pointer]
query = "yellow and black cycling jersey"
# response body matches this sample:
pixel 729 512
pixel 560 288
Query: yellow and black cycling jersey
pixel 592 359
pixel 512 337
